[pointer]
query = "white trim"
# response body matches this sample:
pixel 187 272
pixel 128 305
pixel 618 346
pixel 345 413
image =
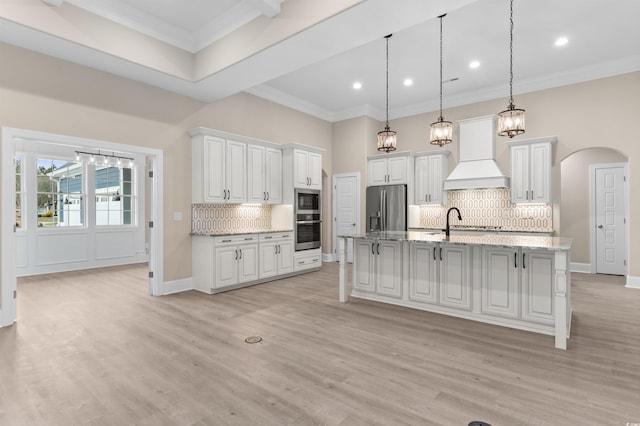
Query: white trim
pixel 633 282
pixel 329 257
pixel 177 286
pixel 7 201
pixel 334 235
pixel 580 267
pixel 592 212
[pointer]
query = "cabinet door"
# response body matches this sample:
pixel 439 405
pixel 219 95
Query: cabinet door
pixel 268 260
pixel 389 268
pixel 236 172
pixel 273 175
pixel 256 190
pixel 300 166
pixel 285 257
pixel 248 265
pixel 435 179
pixel 519 173
pixel 500 289
pixel 540 173
pixel 421 180
pixel 226 259
pixel 538 275
pixel 455 276
pixel 214 170
pixel 363 271
pixel 377 172
pixel 315 171
pixel 422 273
pixel 397 170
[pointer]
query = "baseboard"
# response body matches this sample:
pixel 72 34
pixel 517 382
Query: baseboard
pixel 633 282
pixel 176 286
pixel 580 267
pixel 329 257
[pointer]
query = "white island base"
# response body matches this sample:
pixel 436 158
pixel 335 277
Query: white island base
pixel 516 282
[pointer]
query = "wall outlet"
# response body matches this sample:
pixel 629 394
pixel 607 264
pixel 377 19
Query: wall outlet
pixel 177 216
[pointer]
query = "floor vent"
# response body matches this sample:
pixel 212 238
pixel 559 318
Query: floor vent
pixel 253 339
pixel 478 423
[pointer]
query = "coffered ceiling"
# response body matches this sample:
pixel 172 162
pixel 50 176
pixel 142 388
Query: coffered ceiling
pixel 307 54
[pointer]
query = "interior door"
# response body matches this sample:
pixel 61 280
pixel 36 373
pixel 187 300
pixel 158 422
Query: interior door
pixel 347 212
pixel 610 220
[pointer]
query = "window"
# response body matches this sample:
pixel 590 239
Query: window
pixel 114 196
pixel 59 193
pixel 18 163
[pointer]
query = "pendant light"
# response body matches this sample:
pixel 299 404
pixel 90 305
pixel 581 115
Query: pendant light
pixel 387 138
pixel 441 130
pixel 511 120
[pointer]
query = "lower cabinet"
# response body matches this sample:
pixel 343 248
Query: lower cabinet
pixel 307 259
pixel 220 263
pixel 378 267
pixel 518 283
pixel 276 254
pixel 455 276
pixel 423 272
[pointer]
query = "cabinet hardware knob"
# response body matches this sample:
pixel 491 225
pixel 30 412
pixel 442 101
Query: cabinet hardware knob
pixel 600 226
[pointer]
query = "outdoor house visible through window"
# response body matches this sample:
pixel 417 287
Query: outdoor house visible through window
pixel 60 193
pixel 114 199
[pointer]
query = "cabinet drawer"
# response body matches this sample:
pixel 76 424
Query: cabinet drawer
pixel 235 239
pixel 307 262
pixel 278 236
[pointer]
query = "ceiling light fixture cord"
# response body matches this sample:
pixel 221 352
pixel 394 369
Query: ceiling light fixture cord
pixel 387 101
pixel 511 56
pixel 440 17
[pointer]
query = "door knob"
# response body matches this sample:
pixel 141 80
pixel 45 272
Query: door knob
pixel 353 224
pixel 600 226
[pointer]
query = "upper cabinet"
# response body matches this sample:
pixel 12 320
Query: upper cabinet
pixel 307 169
pixel 531 170
pixel 264 174
pixel 431 168
pixel 218 170
pixel 389 169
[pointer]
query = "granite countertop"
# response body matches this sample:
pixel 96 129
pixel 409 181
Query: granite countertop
pixel 243 232
pixel 485 229
pixel 475 238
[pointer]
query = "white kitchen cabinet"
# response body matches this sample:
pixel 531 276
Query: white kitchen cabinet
pixel 455 276
pixel 307 169
pixel 538 271
pixel 501 281
pixel 218 170
pixel 379 267
pixel 423 273
pixel 307 259
pixel 264 175
pixel 389 170
pixel 276 254
pixel 236 260
pixel 431 169
pixel 531 170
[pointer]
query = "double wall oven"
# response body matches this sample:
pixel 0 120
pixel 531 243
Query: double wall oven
pixel 308 219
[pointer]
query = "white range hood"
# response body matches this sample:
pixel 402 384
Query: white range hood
pixel 477 167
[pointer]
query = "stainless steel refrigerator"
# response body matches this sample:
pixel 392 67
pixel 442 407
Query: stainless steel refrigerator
pixel 387 208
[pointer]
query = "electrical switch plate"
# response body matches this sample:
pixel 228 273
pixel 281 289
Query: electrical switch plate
pixel 177 216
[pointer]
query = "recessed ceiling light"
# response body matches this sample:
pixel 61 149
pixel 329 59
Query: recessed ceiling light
pixel 357 85
pixel 474 64
pixel 561 41
pixel 408 82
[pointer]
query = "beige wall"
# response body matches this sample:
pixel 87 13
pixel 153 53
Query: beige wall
pixel 45 94
pixel 574 203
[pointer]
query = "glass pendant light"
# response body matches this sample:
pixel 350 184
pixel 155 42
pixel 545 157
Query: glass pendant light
pixel 387 138
pixel 441 130
pixel 511 120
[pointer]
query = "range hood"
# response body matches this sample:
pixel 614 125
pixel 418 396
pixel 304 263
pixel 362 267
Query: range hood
pixel 477 167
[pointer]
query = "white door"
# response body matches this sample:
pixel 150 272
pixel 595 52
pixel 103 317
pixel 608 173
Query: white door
pixel 346 209
pixel 610 220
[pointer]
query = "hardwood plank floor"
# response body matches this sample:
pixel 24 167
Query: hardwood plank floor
pixel 91 347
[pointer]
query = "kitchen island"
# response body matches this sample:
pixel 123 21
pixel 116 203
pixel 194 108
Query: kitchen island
pixel 516 281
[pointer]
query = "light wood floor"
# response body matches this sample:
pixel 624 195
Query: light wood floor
pixel 92 348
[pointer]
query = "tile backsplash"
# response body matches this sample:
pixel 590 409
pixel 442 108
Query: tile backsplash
pixel 489 207
pixel 221 218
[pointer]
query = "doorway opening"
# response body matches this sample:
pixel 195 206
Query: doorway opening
pixel 62 212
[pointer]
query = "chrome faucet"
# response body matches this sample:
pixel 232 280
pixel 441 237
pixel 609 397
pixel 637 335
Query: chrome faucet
pixel 447 231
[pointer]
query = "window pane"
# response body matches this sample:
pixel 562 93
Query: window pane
pixel 113 207
pixel 59 195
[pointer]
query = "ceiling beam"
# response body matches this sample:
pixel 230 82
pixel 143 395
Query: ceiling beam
pixel 55 3
pixel 268 8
